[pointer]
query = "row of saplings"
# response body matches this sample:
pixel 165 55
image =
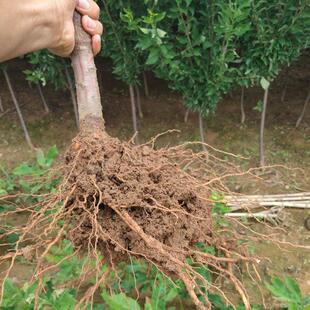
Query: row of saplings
pixel 119 200
pixel 202 49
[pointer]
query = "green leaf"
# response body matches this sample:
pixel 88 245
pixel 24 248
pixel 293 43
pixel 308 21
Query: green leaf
pixel 148 306
pixel 65 300
pixel 120 302
pixel 306 301
pixel 12 238
pixel 145 30
pixel 23 169
pixel 280 290
pixel 161 33
pixel 172 294
pixel 5 208
pixel 294 288
pixel 40 158
pixel 153 57
pixel 264 83
pixel 3 192
pixel 51 156
pixel 259 106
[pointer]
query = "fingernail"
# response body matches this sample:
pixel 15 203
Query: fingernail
pixel 91 24
pixel 83 4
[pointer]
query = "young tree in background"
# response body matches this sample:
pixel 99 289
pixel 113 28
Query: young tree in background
pixel 193 45
pixel 119 44
pixel 3 68
pixel 279 32
pixel 50 69
pixel 306 104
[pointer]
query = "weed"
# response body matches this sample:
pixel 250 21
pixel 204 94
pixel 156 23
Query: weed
pixel 288 292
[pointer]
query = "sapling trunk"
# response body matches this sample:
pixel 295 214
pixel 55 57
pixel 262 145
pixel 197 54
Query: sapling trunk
pixel 88 94
pixel 262 129
pixel 186 116
pixel 303 110
pixel 20 115
pixel 202 133
pixel 283 94
pixel 73 95
pixel 242 105
pixel 284 90
pixel 134 113
pixel 1 105
pixel 146 85
pixel 46 108
pixel 139 101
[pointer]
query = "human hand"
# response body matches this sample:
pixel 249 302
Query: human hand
pixel 64 32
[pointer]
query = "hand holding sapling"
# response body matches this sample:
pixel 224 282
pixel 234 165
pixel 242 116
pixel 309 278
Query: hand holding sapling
pixel 27 26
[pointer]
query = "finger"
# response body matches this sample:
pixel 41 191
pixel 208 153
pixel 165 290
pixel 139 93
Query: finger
pixel 88 7
pixel 96 44
pixel 92 26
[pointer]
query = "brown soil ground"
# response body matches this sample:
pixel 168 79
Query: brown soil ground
pixel 285 144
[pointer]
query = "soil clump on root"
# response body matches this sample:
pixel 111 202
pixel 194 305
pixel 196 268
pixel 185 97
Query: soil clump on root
pixel 121 192
pixel 122 200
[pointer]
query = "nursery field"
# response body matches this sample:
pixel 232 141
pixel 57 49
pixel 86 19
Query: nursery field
pixel 170 171
pixel 286 147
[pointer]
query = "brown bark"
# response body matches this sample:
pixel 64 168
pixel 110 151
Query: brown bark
pixel 85 72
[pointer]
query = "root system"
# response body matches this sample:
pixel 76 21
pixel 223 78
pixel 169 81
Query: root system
pixel 118 200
